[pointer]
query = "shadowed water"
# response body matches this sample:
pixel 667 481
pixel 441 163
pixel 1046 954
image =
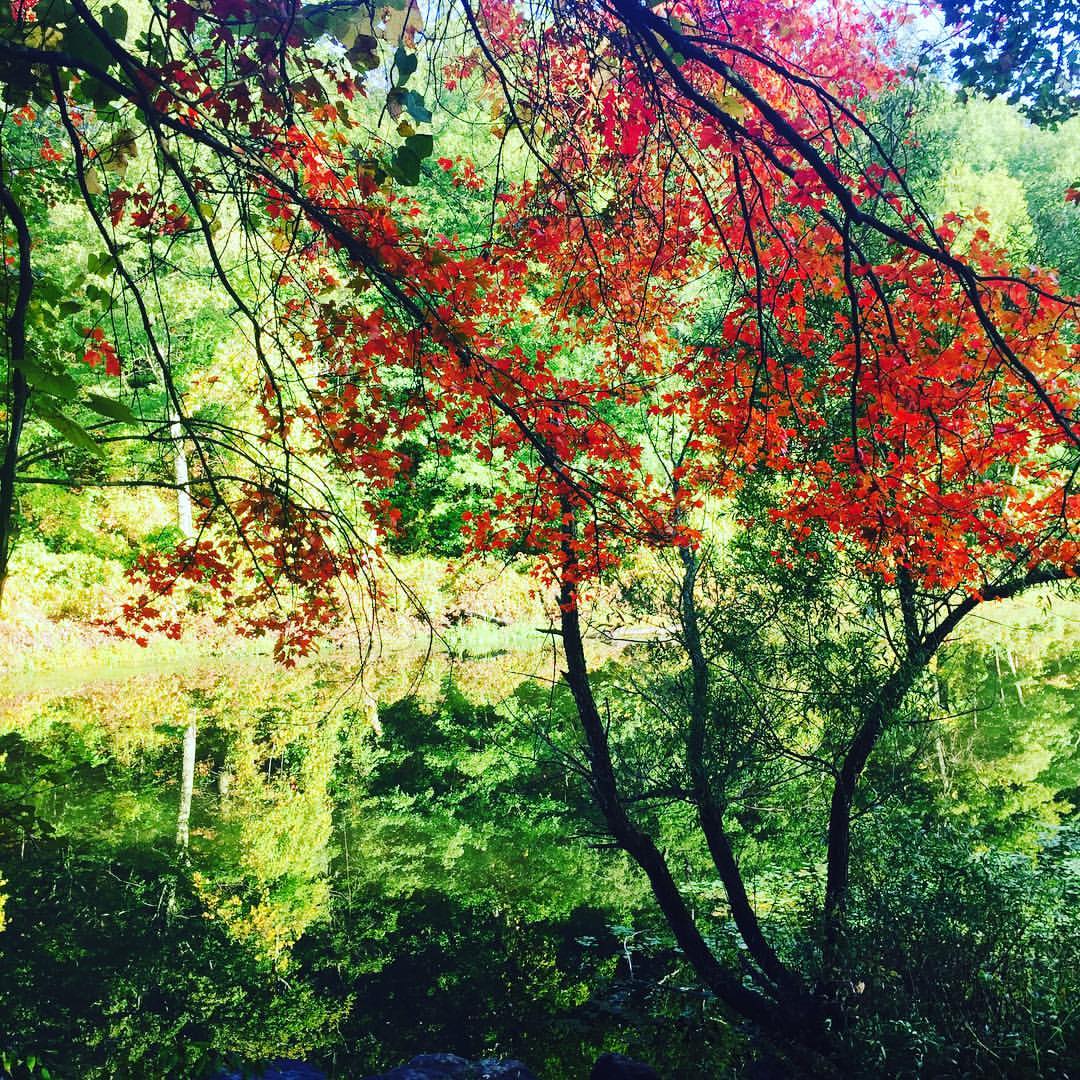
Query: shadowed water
pixel 359 885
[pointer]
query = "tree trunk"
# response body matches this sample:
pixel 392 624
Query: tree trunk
pixel 184 517
pixel 710 810
pixel 793 1028
pixel 187 784
pixel 20 390
pixel 20 395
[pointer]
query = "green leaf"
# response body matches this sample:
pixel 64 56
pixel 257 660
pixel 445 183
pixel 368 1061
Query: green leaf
pixel 421 145
pixel 344 25
pixel 364 55
pixel 99 94
pixel 82 43
pixel 414 104
pixel 100 263
pixel 406 167
pixel 57 385
pixel 67 427
pixel 115 21
pixel 405 63
pixel 54 13
pixel 152 46
pixel 71 307
pixel 18 83
pixel 48 291
pixel 110 407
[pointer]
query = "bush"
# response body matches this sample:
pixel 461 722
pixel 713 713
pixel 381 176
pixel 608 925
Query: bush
pixel 969 958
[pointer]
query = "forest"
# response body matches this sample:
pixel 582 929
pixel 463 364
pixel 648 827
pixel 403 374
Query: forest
pixel 544 531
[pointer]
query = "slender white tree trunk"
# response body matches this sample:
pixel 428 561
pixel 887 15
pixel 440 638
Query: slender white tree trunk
pixel 185 518
pixel 187 783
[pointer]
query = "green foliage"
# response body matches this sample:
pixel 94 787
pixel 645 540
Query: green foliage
pixel 967 960
pixel 457 889
pixel 168 995
pixel 432 499
pixel 986 155
pixel 166 998
pixel 1025 50
pixel 70 584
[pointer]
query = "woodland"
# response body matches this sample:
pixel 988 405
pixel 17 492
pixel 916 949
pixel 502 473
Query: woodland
pixel 536 528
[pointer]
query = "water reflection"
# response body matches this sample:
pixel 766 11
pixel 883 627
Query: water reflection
pixel 232 864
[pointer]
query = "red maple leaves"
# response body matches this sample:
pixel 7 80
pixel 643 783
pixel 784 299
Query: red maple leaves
pixel 100 350
pixel 676 270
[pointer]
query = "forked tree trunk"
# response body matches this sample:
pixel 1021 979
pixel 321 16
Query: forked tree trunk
pixel 785 1019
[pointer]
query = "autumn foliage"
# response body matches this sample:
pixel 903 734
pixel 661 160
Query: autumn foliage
pixel 709 242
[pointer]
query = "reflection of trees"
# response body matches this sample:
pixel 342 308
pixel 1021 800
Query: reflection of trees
pixel 461 903
pixel 1009 743
pixel 257 856
pixel 187 783
pixel 97 977
pixel 264 873
pixel 438 870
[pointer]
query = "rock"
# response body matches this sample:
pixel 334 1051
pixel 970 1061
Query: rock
pixel 280 1070
pixel 407 1072
pixel 620 1067
pixel 421 1067
pixel 452 1067
pixel 449 1065
pixel 511 1069
pixel 767 1068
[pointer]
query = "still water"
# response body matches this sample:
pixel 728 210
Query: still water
pixel 211 862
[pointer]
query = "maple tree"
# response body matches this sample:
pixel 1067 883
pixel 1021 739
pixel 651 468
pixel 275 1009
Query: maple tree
pixel 704 271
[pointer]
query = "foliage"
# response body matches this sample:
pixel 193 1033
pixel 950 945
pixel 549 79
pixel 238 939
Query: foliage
pixel 143 1012
pixel 979 960
pixel 419 867
pixel 617 286
pixel 983 154
pixel 513 352
pixel 1026 51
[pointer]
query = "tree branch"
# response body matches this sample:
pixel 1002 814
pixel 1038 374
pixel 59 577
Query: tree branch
pixel 20 389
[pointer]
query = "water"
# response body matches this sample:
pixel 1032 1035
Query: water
pixel 357 889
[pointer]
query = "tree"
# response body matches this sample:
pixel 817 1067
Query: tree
pixel 707 288
pixel 321 198
pixel 1027 52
